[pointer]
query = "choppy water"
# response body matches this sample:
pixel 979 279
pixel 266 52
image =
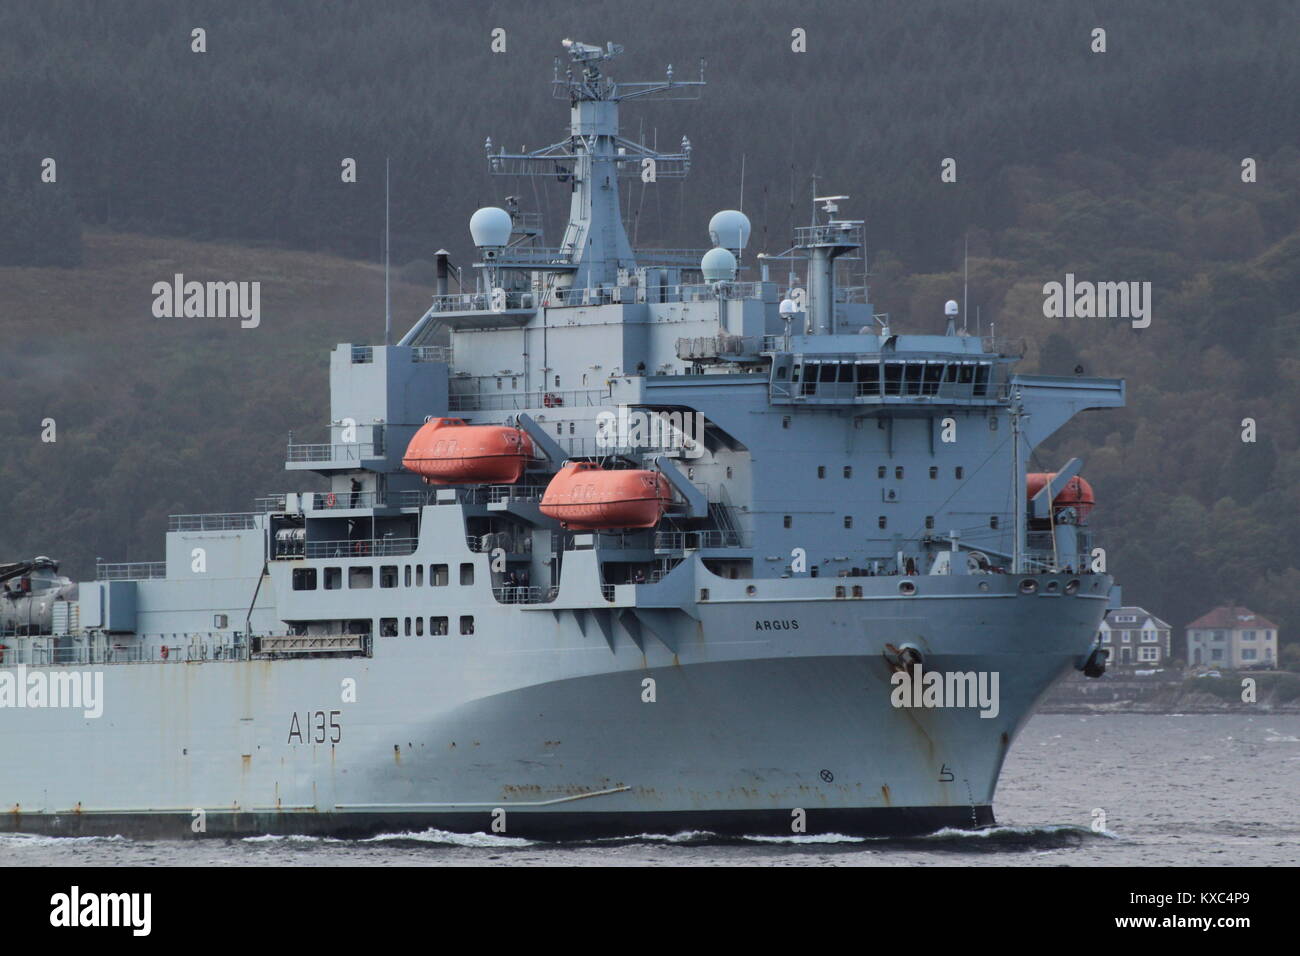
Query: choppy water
pixel 1190 790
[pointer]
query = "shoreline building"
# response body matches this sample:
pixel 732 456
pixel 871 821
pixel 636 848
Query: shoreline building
pixel 1232 636
pixel 1133 635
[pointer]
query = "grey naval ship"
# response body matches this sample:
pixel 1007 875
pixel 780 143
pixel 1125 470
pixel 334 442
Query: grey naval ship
pixel 651 544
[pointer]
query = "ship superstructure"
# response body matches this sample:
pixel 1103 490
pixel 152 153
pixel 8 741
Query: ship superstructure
pixel 643 546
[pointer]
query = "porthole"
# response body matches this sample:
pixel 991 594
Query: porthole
pixel 1072 587
pixel 906 588
pixel 1052 587
pixel 984 585
pixel 751 590
pixel 1028 586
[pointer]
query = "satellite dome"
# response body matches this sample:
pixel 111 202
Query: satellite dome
pixel 787 308
pixel 718 265
pixel 729 229
pixel 490 227
pixel 950 307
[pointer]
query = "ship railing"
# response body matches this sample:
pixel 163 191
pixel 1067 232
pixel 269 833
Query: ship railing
pixel 343 451
pixel 510 544
pixel 233 521
pixel 843 233
pixel 518 594
pixel 697 540
pixel 432 353
pixel 358 548
pixel 499 493
pixel 484 301
pixel 180 649
pixel 505 401
pixel 130 571
pixel 321 500
pixel 600 447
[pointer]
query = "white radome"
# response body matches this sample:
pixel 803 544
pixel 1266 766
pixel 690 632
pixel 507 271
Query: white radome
pixel 718 265
pixel 729 229
pixel 490 227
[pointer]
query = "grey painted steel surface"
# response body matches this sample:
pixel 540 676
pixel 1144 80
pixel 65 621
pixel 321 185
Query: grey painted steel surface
pixel 368 653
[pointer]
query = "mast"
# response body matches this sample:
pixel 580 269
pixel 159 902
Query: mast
pixel 593 157
pixel 1017 485
pixel 388 302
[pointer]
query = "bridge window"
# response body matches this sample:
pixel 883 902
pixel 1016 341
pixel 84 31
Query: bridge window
pixel 438 575
pixel 914 373
pixel 466 574
pixel 437 626
pixel 304 579
pixel 360 578
pixel 868 378
pixel 982 379
pixel 388 576
pixel 933 376
pixel 893 378
pixel 333 579
pixel 467 624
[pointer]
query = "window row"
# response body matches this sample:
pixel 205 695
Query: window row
pixel 361 577
pixel 882 521
pixel 438 626
pixel 882 471
pixel 841 379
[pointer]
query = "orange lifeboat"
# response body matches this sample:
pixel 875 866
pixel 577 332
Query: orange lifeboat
pixel 447 451
pixel 586 497
pixel 1076 494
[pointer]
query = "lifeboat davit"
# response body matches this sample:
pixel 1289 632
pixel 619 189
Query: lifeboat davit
pixel 447 451
pixel 586 497
pixel 1076 494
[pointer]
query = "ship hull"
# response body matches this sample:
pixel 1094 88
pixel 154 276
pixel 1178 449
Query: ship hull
pixel 539 726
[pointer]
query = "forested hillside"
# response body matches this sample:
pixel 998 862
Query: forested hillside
pixel 1123 165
